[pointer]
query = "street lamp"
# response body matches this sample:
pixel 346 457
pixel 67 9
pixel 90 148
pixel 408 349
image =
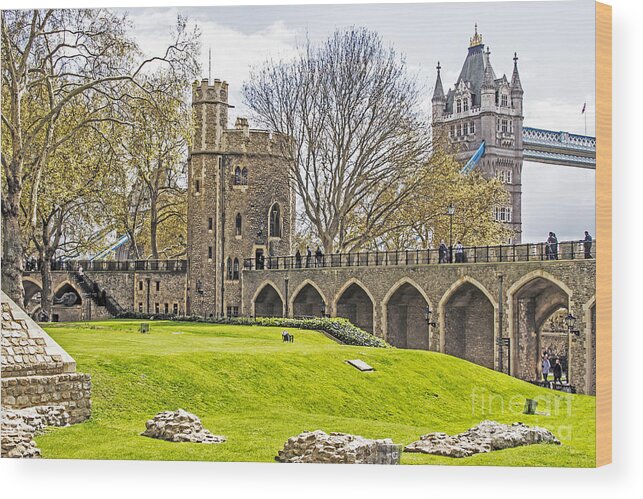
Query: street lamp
pixel 570 320
pixel 427 317
pixel 450 212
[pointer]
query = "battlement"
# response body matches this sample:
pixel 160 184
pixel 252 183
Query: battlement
pixel 206 93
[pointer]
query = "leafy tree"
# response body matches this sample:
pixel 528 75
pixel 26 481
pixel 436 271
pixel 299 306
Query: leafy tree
pixel 423 220
pixel 49 59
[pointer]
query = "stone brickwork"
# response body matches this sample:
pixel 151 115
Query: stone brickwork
pixel 37 375
pixel 240 201
pixel 144 291
pixel 464 300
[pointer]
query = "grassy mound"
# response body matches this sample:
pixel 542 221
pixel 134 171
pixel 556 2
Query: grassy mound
pixel 244 383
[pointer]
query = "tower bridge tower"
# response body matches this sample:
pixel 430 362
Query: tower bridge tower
pixel 482 107
pixel 240 201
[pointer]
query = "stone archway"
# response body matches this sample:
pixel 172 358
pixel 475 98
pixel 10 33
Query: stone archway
pixel 468 323
pixel 33 290
pixel 354 303
pixel 405 307
pixel 268 302
pixel 67 295
pixel 532 301
pixel 307 301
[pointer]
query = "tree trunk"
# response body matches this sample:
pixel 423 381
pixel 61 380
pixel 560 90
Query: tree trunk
pixel 46 296
pixel 12 256
pixel 154 226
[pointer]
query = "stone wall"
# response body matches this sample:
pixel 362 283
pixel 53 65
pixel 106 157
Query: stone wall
pixel 444 289
pixel 38 373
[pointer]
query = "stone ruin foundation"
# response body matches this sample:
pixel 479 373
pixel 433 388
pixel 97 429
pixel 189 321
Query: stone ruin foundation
pixel 485 437
pixel 338 448
pixel 180 426
pixel 40 385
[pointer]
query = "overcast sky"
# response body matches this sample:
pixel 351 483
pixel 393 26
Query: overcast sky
pixel 554 42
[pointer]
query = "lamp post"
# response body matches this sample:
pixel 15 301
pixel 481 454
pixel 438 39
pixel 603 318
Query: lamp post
pixel 450 212
pixel 570 320
pixel 427 317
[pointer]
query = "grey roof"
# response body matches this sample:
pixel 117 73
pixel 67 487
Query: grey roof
pixel 472 73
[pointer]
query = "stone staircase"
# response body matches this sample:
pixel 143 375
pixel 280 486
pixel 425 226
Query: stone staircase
pixel 98 295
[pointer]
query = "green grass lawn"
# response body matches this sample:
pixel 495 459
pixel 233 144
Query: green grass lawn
pixel 244 383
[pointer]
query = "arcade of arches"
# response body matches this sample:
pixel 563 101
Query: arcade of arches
pixel 470 309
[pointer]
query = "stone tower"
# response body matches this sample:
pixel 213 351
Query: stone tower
pixel 240 202
pixel 483 107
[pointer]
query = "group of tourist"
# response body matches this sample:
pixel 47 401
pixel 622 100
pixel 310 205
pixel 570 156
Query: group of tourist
pixel 551 246
pixel 319 258
pixel 556 370
pixel 444 255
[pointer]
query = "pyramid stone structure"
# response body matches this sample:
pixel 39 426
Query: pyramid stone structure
pixel 36 372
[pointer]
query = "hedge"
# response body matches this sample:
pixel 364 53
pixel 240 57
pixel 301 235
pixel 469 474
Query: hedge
pixel 338 328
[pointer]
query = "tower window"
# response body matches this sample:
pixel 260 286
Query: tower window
pixel 237 176
pixel 458 104
pixel 244 176
pixel 158 285
pixel 235 270
pixel 210 223
pixel 237 225
pixel 210 252
pixel 502 214
pixel 504 126
pixel 140 285
pixel 229 269
pixel 472 128
pixel 275 221
pixel 503 100
pixel 465 104
pixel 197 185
pixel 452 130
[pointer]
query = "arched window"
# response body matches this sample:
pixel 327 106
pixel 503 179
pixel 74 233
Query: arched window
pixel 275 221
pixel 237 225
pixel 466 104
pixel 229 269
pixel 504 100
pixel 244 176
pixel 237 176
pixel 458 106
pixel 235 270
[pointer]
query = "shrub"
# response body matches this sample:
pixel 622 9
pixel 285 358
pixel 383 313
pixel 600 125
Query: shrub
pixel 338 328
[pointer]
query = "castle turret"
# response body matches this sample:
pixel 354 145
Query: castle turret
pixel 516 87
pixel 439 99
pixel 240 202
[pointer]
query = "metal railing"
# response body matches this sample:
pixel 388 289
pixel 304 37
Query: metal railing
pixel 567 250
pixel 121 265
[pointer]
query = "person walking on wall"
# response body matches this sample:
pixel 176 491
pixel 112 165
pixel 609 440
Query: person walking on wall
pixel 587 245
pixel 459 252
pixel 319 257
pixel 442 252
pixel 298 259
pixel 309 256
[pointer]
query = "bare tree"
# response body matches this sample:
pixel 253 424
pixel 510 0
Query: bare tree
pixel 49 59
pixel 357 134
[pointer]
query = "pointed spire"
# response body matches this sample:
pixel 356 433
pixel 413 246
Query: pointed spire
pixel 489 76
pixel 516 86
pixel 438 91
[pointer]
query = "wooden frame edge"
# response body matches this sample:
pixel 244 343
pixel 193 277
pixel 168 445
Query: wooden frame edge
pixel 603 234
